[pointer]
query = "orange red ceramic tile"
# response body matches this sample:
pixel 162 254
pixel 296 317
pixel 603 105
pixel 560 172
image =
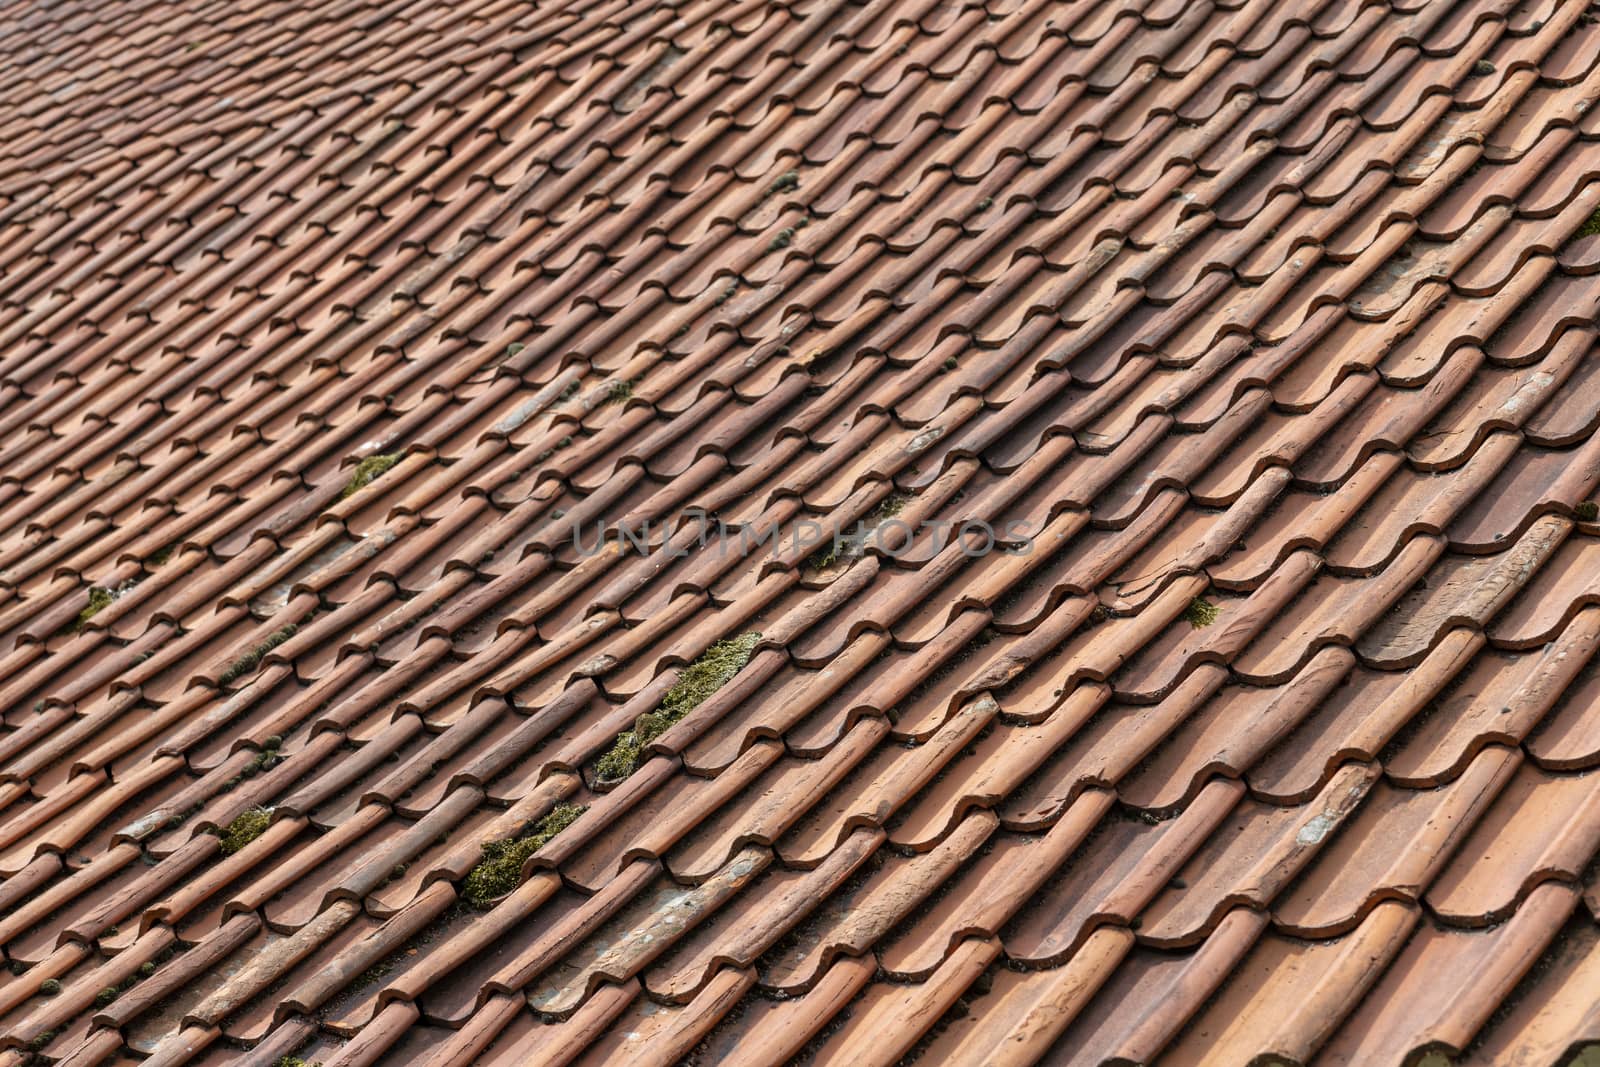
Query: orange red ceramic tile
pixel 738 532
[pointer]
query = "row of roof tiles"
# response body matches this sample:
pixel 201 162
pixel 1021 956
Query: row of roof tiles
pixel 1265 327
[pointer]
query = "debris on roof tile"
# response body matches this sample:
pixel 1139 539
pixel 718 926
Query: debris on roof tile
pixel 370 468
pixel 245 828
pixel 699 680
pixel 895 531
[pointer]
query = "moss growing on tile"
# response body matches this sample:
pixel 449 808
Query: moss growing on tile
pixel 500 870
pixel 892 505
pixel 823 558
pixel 789 179
pixel 42 1040
pixel 297 1061
pixel 50 987
pixel 264 760
pixel 368 471
pixel 851 546
pixel 620 391
pixel 714 669
pixel 623 757
pixel 781 240
pixel 106 996
pixel 100 598
pixel 1587 511
pixel 247 662
pixel 1591 225
pixel 1200 613
pixel 250 825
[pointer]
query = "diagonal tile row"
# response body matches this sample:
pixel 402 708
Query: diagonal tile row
pixel 1214 380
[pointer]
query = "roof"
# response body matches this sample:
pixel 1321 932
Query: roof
pixel 423 435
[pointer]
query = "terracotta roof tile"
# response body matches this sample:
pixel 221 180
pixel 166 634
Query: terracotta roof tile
pixel 1140 454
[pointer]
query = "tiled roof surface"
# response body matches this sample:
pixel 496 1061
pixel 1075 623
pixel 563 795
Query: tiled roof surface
pixel 328 333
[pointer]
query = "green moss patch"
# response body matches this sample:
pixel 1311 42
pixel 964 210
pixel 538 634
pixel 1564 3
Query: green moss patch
pixel 1587 511
pixel 620 391
pixel 100 598
pixel 1591 225
pixel 368 471
pixel 851 547
pixel 1200 613
pixel 247 662
pixel 268 758
pixel 695 683
pixel 500 870
pixel 246 828
pixel 823 558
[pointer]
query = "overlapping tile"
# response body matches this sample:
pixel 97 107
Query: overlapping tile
pixel 1213 378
